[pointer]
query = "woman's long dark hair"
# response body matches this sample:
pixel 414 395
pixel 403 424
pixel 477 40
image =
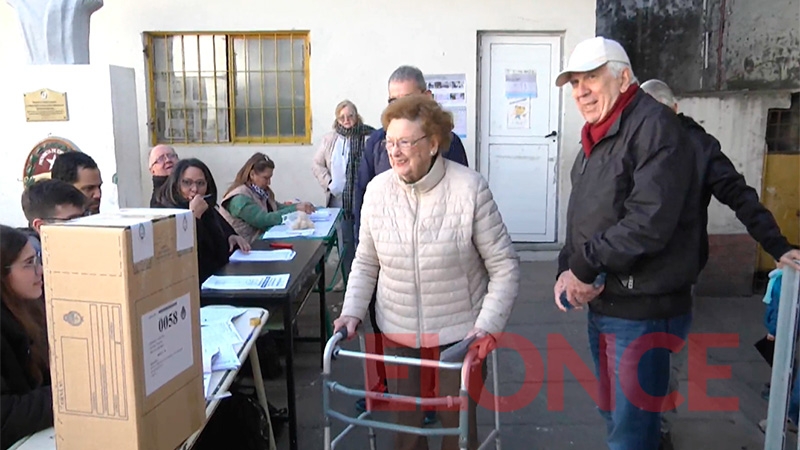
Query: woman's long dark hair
pixel 170 194
pixel 28 312
pixel 259 162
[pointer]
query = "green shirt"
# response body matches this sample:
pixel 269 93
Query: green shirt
pixel 246 209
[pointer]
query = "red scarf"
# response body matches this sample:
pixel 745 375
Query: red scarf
pixel 593 132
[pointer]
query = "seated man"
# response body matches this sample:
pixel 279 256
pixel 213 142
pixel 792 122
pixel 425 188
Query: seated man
pixel 50 201
pixel 80 170
pixel 162 159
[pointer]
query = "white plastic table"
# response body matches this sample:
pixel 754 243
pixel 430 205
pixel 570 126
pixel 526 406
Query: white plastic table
pixel 220 382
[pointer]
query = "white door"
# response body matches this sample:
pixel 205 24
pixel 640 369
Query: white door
pixel 518 119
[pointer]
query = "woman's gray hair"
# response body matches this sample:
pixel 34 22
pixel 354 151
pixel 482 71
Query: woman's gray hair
pixel 616 68
pixel 409 73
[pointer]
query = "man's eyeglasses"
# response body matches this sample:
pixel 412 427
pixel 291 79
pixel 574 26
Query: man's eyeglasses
pixel 164 158
pixel 402 144
pixel 32 263
pixel 187 183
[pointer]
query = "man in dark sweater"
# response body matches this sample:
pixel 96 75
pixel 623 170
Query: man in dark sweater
pixel 81 171
pixel 405 80
pixel 162 159
pixel 718 177
pixel 49 201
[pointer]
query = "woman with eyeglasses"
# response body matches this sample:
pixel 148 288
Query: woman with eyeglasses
pixel 27 400
pixel 191 186
pixel 250 206
pixel 336 165
pixel 434 243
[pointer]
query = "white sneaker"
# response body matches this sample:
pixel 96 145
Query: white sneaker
pixel 339 286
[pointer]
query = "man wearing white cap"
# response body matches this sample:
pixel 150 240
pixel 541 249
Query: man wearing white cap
pixel 632 243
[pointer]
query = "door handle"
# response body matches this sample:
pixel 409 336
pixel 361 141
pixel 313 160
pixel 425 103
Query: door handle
pixel 552 134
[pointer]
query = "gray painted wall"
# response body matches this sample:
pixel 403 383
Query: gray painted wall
pixel 708 45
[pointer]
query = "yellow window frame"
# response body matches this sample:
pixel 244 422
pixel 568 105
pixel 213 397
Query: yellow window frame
pixel 231 71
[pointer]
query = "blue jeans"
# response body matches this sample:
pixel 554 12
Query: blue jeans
pixel 632 417
pixel 346 237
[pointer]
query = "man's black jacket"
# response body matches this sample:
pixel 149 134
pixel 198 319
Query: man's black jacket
pixel 718 177
pixel 634 215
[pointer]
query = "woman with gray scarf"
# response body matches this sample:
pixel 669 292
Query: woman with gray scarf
pixel 336 165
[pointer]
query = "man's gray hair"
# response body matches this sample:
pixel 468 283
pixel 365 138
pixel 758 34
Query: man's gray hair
pixel 409 73
pixel 660 91
pixel 616 68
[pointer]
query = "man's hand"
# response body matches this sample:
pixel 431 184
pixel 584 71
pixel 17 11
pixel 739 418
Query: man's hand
pixel 349 322
pixel 578 292
pixel 561 286
pixel 791 259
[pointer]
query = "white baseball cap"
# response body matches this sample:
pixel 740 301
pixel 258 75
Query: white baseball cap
pixel 591 54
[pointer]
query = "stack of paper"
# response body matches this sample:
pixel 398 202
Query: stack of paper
pixel 212 314
pixel 246 282
pixel 263 255
pixel 284 232
pixel 219 338
pixel 320 215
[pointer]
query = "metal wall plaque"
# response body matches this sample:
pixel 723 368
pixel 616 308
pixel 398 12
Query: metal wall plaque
pixel 45 105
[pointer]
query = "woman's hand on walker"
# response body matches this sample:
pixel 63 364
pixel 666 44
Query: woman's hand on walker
pixel 348 322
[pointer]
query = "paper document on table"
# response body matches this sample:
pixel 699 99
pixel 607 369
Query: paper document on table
pixel 206 383
pixel 284 232
pixel 320 215
pixel 209 352
pixel 219 333
pixel 263 255
pixel 226 359
pixel 211 314
pixel 246 282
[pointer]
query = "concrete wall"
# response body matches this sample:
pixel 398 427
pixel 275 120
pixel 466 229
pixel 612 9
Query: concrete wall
pixel 739 121
pixel 101 106
pixel 762 45
pixel 355 45
pixel 708 45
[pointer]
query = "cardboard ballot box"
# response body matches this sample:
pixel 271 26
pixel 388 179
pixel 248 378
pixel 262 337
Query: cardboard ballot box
pixel 123 321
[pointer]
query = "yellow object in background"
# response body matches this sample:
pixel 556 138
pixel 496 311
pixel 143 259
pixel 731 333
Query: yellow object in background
pixel 781 195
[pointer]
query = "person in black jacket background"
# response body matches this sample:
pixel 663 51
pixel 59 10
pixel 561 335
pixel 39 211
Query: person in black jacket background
pixel 191 186
pixel 27 400
pixel 633 215
pixel 718 177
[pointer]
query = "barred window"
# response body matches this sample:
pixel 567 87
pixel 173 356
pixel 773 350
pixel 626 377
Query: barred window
pixel 783 128
pixel 229 87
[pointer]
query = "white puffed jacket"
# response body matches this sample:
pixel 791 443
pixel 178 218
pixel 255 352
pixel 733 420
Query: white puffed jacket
pixel 440 254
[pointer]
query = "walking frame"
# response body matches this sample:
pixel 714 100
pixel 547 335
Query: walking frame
pixel 333 351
